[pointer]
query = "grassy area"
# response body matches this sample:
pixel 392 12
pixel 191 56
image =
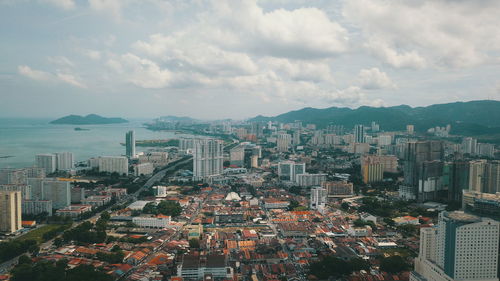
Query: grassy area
pixel 403 252
pixel 37 234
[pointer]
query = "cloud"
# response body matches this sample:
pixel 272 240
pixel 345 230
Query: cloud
pixel 112 8
pixel 61 61
pixel 352 96
pixel 373 79
pixel 39 75
pixel 436 33
pixel 141 72
pixel 64 4
pixel 299 33
pixel 91 54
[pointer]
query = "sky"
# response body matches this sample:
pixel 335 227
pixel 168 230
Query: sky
pixel 238 59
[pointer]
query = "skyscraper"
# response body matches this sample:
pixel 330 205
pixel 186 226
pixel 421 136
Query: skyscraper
pixel 64 161
pixel 359 133
pixel 415 154
pixel 207 158
pixel 47 162
pixel 461 247
pixel 10 211
pixel 318 198
pixel 283 142
pixel 130 144
pixel 113 164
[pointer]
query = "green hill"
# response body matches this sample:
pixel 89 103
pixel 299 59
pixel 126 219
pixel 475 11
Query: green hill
pixel 91 119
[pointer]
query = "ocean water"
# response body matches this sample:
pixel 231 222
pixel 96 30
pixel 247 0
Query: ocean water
pixel 24 138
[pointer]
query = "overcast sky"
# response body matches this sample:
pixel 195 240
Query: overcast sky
pixel 238 59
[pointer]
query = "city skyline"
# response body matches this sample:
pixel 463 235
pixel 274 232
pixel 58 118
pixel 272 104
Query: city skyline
pixel 192 58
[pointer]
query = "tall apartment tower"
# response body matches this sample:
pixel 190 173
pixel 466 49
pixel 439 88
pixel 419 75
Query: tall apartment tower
pixel 359 133
pixel 10 211
pixel 318 198
pixel 415 155
pixel 462 247
pixel 47 162
pixel 207 158
pixel 283 142
pixel 130 144
pixel 64 161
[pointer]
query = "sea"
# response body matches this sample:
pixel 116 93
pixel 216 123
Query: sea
pixel 22 139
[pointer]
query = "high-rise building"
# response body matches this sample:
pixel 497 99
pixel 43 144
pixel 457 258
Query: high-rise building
pixel 13 176
pixel 288 170
pixel 359 133
pixel 130 144
pixel 486 149
pixel 25 189
pixel 415 154
pixel 458 179
pixel 283 142
pixel 476 175
pixel 469 146
pixel 492 177
pixel 310 179
pixel 462 247
pixel 59 192
pixel 113 164
pixel 64 161
pixel 243 154
pixel 10 211
pixel 46 161
pixel 339 188
pixel 207 158
pixel 410 129
pixel 318 198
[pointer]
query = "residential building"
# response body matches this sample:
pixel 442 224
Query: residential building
pixel 359 133
pixel 143 169
pixel 288 170
pixel 74 211
pixel 130 144
pixel 318 198
pixel 310 179
pixel 47 162
pixel 24 188
pixel 157 158
pixel 339 188
pixel 59 192
pixel 461 247
pixel 113 164
pixel 207 159
pixel 64 161
pixel 10 211
pixel 283 142
pixel 152 222
pixel 197 267
pixel 481 203
pixel 36 207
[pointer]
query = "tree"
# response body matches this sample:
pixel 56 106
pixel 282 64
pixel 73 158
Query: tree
pixel 393 264
pixel 169 208
pixel 389 222
pixel 345 206
pixel 58 242
pixel 194 243
pixel 24 259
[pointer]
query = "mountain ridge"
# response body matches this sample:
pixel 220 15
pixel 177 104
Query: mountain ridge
pixel 483 114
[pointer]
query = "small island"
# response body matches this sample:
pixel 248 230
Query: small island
pixel 91 119
pixel 81 129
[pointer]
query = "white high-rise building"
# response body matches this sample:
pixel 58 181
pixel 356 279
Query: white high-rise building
pixel 207 158
pixel 47 162
pixel 469 145
pixel 10 211
pixel 318 198
pixel 64 161
pixel 359 133
pixel 130 144
pixel 113 164
pixel 462 247
pixel 283 142
pixel 59 192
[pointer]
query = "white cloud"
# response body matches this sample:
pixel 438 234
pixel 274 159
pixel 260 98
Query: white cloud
pixel 373 79
pixel 112 8
pixel 39 75
pixel 298 33
pixel 352 96
pixel 34 74
pixel 61 61
pixel 143 72
pixel 64 4
pixel 91 54
pixel 438 33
